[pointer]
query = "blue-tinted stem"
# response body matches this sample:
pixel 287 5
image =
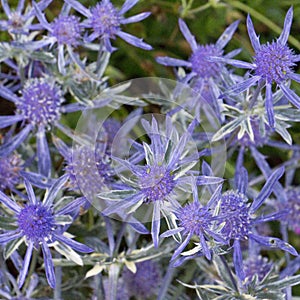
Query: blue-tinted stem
pixel 284 232
pixel 228 271
pixel 166 282
pixel 255 95
pixel 58 276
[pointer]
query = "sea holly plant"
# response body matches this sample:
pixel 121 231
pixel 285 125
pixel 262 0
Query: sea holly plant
pixel 40 224
pixel 120 188
pixel 272 64
pixel 165 174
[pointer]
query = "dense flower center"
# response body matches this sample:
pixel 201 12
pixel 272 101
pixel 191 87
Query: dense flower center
pixel 274 62
pixel 236 219
pixel 9 171
pixel 193 218
pixel 66 29
pixel 36 222
pixel 201 65
pixel 157 183
pixel 105 19
pixel 41 101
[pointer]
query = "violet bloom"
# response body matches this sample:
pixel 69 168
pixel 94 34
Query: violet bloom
pixel 272 64
pixel 65 30
pixel 41 224
pixel 106 20
pixel 195 219
pixel 18 23
pixel 158 182
pixel 39 107
pixel 202 70
pixel 238 217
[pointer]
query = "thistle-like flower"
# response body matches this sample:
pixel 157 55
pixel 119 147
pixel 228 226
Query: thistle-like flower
pixel 106 20
pixel 17 22
pixel 65 30
pixel 203 72
pixel 238 218
pixel 41 224
pixel 272 64
pixel 197 220
pixel 39 108
pixel 163 177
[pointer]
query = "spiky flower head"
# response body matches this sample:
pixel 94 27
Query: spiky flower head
pixel 145 282
pixel 105 19
pixel 40 102
pixel 40 223
pixel 236 220
pixel 36 223
pixel 194 218
pixel 274 62
pixel 67 30
pixel 199 63
pixel 156 183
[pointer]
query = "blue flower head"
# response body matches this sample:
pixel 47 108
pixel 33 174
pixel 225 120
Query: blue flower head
pixel 40 224
pixel 39 108
pixel 106 20
pixel 195 219
pixel 272 65
pixel 17 22
pixel 238 218
pixel 164 175
pixel 197 62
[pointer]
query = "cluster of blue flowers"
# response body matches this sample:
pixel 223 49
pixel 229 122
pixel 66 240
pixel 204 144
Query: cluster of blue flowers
pixel 139 200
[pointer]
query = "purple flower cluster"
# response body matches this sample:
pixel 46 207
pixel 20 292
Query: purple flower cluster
pixel 161 193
